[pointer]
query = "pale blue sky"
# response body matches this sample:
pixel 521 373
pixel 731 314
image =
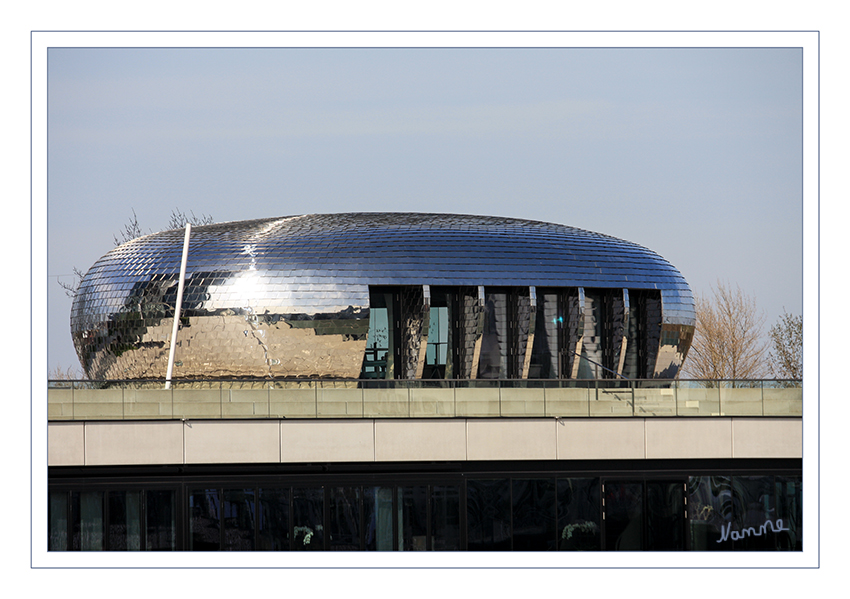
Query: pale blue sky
pixel 694 153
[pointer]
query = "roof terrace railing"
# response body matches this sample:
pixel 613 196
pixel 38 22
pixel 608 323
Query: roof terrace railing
pixel 455 398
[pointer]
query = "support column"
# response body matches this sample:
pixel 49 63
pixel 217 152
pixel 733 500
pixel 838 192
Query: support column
pixel 532 320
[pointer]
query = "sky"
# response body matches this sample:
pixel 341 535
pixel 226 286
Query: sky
pixel 693 153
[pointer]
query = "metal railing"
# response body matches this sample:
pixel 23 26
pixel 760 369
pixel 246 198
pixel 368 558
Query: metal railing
pixel 481 398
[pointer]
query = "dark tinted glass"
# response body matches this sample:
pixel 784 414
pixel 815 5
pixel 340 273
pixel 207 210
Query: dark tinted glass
pixel 534 509
pixel 665 516
pixel 273 520
pixel 413 502
pixel 57 518
pixel 124 527
pixel 205 520
pixel 160 520
pixel 307 520
pixel 488 515
pixel 238 511
pixel 623 516
pixel 709 512
pixel 345 519
pixel 579 514
pixel 378 508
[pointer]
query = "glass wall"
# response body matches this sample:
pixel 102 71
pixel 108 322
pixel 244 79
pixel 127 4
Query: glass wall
pixel 496 512
pixel 114 520
pixel 749 513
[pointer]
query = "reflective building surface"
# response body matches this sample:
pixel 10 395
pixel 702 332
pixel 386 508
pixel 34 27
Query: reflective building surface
pixel 384 296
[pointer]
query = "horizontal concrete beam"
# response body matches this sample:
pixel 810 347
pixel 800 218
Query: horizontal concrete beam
pixel 393 440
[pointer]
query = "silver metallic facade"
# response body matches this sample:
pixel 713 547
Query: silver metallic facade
pixel 384 295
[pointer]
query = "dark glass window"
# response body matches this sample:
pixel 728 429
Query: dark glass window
pixel 579 514
pixel 445 518
pixel 238 517
pixel 413 505
pixel 273 518
pixel 789 509
pixel 709 512
pixel 205 520
pixel 665 516
pixel 57 518
pixel 160 521
pixel 755 515
pixel 91 521
pixel 307 521
pixel 344 525
pixel 124 528
pixel 378 508
pixel 534 509
pixel 624 516
pixel 488 515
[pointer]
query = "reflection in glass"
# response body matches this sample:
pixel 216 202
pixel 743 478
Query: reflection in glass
pixel 205 520
pixel 754 503
pixel 377 342
pixel 307 520
pixel 665 516
pixel 623 516
pixel 160 515
pixel 436 352
pixel 413 505
pixel 709 512
pixel 273 520
pixel 445 518
pixel 124 527
pixel 91 520
pixel 493 363
pixel 344 522
pixel 238 517
pixel 544 353
pixel 488 515
pixel 579 514
pixel 378 507
pixel 534 510
pixel 57 518
pixel 789 508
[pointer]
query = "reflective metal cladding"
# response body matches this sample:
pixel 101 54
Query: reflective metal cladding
pixel 384 295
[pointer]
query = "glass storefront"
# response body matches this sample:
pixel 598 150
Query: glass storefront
pixel 498 512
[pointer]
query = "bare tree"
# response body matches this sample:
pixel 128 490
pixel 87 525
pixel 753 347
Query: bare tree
pixel 786 347
pixel 132 230
pixel 178 219
pixel 728 340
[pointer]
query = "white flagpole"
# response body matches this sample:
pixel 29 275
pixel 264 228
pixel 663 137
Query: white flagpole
pixel 178 306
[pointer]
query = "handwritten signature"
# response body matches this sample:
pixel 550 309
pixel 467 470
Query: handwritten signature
pixel 727 533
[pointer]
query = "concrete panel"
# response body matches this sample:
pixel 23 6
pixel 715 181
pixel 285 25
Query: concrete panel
pixel 339 402
pixel 518 401
pixel 431 403
pixel 327 441
pixel 688 438
pixel 767 437
pixel 292 403
pixel 477 401
pixel 421 439
pixel 514 439
pixel 148 403
pixel 601 439
pixel 567 401
pixel 112 443
pixel 211 442
pixel 66 444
